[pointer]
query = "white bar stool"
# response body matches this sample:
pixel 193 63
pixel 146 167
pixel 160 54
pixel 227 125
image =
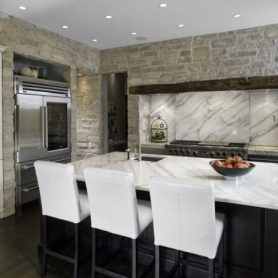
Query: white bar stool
pixel 185 220
pixel 60 199
pixel 115 209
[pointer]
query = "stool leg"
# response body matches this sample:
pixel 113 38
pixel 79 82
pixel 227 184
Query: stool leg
pixel 44 264
pixel 221 256
pixel 106 245
pixel 211 268
pixel 93 252
pixel 157 261
pixel 178 262
pixel 76 250
pixel 44 255
pixel 122 243
pixel 134 258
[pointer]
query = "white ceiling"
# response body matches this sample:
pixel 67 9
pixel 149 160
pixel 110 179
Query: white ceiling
pixel 86 18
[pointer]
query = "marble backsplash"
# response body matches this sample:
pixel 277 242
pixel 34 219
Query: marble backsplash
pixel 144 118
pixel 234 116
pixel 213 116
pixel 264 118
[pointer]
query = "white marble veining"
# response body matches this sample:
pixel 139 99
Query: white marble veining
pixel 213 116
pixel 233 116
pixel 259 188
pixel 264 118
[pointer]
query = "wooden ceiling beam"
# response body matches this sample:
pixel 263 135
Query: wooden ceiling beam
pixel 230 84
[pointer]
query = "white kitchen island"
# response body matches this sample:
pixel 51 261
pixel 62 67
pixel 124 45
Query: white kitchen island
pixel 259 188
pixel 249 203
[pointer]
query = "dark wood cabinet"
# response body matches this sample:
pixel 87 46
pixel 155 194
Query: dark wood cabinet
pixel 244 238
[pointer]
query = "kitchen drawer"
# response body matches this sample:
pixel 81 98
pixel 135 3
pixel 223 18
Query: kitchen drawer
pixel 26 173
pixel 28 193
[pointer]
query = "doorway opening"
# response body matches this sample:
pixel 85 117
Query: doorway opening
pixel 117 121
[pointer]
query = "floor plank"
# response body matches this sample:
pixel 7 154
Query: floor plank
pixel 19 238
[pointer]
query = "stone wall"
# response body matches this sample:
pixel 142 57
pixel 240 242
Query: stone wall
pixel 26 39
pixel 249 52
pixel 90 116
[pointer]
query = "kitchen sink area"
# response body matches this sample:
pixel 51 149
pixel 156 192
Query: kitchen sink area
pixel 150 158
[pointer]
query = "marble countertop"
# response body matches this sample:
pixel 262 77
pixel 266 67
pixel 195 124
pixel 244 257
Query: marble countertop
pixel 258 189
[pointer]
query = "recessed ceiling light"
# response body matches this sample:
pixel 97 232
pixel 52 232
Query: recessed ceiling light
pixel 180 25
pixel 22 8
pixel 163 5
pixel 133 33
pixel 236 15
pixel 65 26
pixel 108 17
pixel 94 40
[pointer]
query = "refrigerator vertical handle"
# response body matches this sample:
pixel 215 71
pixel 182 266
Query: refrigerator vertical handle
pixel 16 111
pixel 43 127
pixel 46 126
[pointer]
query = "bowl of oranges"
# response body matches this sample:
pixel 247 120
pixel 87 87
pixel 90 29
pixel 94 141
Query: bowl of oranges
pixel 232 166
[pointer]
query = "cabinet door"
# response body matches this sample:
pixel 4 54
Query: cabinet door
pixel 244 236
pixel 29 127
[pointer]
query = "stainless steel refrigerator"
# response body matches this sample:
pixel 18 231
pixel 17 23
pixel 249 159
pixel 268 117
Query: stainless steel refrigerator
pixel 42 130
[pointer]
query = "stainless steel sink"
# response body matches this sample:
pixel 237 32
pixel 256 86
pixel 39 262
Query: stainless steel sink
pixel 151 158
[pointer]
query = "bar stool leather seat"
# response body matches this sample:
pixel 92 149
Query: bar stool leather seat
pixel 115 209
pixel 60 199
pixel 185 220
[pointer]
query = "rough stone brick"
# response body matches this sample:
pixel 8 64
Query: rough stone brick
pixel 226 42
pixel 271 32
pixel 243 53
pixel 26 39
pixel 200 54
pixel 184 57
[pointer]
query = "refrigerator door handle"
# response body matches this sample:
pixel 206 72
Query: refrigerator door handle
pixel 46 127
pixel 28 167
pixel 16 107
pixel 30 188
pixel 43 127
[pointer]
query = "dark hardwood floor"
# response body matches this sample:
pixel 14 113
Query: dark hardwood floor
pixel 19 238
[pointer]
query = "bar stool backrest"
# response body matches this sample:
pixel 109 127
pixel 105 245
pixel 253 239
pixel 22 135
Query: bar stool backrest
pixel 113 202
pixel 183 215
pixel 58 190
